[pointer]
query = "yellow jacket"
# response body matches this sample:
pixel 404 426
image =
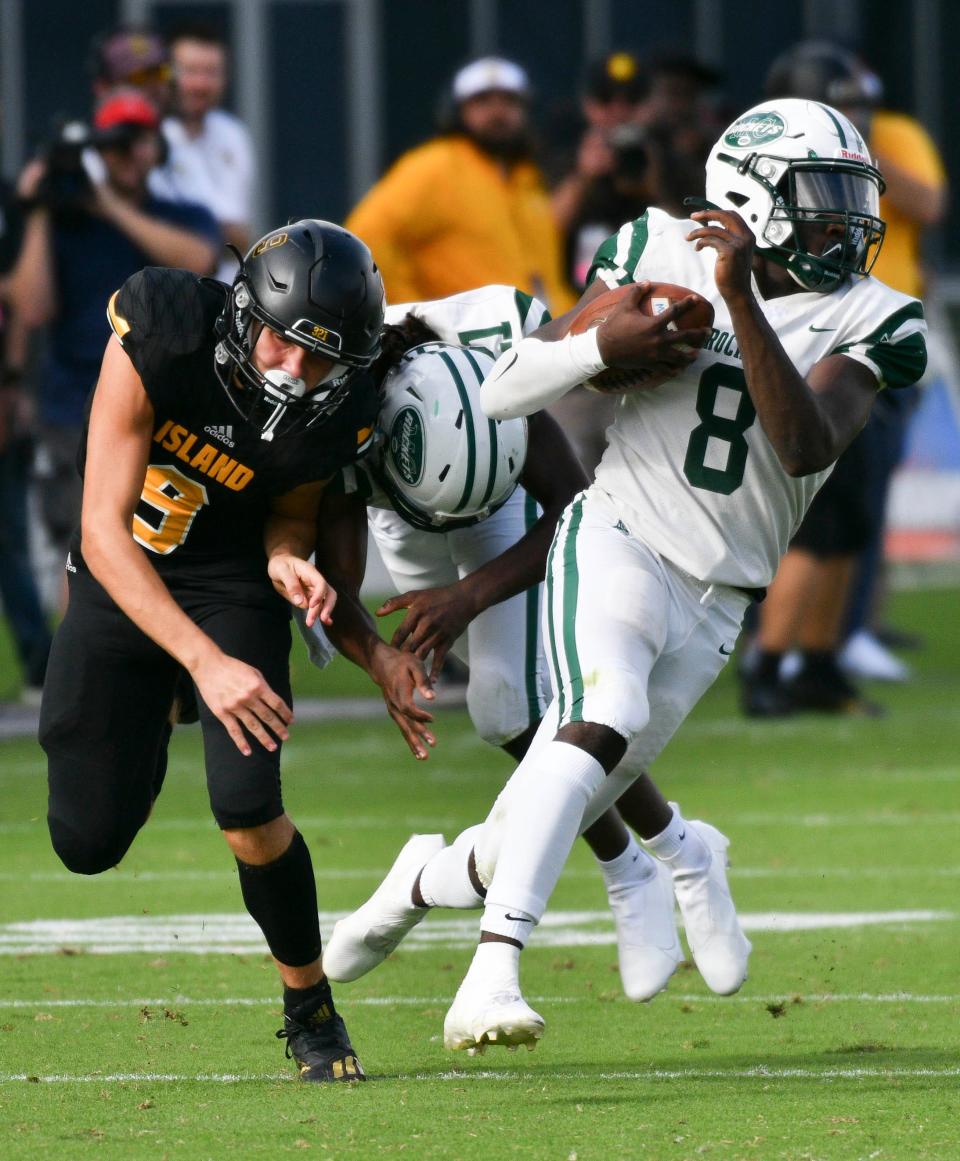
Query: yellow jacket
pixel 907 145
pixel 447 218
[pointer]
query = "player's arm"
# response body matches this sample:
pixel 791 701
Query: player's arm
pixel 288 541
pixel 808 421
pixel 341 551
pixel 543 367
pixel 118 446
pixel 435 618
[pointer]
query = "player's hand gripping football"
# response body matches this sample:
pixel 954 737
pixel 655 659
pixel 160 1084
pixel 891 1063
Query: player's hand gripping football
pixel 435 619
pixel 239 696
pixel 303 585
pixel 727 233
pixel 630 338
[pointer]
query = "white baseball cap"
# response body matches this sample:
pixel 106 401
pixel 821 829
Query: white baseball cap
pixel 490 74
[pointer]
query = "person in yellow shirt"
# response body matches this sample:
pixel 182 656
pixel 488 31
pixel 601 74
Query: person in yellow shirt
pixel 468 208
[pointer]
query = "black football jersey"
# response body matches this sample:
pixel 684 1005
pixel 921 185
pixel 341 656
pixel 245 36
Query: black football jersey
pixel 211 478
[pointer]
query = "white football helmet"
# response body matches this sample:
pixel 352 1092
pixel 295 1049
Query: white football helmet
pixel 801 176
pixel 443 464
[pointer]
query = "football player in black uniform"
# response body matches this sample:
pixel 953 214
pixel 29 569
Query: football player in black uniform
pixel 218 417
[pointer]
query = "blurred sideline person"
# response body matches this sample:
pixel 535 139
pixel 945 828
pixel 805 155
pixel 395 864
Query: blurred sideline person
pixel 133 58
pixel 89 228
pixel 701 486
pixel 218 417
pixel 612 178
pixel 209 152
pixel 469 207
pixel 824 591
pixel 467 548
pixel 19 598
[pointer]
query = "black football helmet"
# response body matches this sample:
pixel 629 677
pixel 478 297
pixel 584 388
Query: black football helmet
pixel 316 285
pixel 818 70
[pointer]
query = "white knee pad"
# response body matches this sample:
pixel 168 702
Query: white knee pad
pixel 497 702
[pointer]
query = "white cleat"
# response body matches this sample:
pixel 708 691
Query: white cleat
pixel 865 657
pixel 476 1019
pixel 720 949
pixel 364 939
pixel 648 947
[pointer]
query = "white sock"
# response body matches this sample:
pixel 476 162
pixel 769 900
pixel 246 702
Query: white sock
pixel 633 865
pixel 445 879
pixel 679 845
pixel 495 967
pixel 549 793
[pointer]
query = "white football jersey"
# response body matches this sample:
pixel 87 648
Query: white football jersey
pixel 493 317
pixel 687 464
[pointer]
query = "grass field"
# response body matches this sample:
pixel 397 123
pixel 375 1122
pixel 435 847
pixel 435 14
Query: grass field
pixel 843 1044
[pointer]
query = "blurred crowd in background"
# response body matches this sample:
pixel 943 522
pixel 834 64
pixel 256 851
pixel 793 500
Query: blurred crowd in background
pixel 158 173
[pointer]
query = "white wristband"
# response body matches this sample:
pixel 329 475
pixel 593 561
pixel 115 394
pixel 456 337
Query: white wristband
pixel 534 374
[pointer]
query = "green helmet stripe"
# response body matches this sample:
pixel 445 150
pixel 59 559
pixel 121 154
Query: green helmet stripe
pixel 837 125
pixel 492 435
pixel 471 430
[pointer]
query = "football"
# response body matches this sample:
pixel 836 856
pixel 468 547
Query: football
pixel 660 296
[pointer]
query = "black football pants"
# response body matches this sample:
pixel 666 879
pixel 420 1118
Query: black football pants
pixel 104 720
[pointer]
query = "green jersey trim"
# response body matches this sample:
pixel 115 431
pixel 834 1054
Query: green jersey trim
pixel 620 255
pixel 895 351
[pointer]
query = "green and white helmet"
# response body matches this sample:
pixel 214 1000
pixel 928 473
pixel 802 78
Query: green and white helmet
pixel 443 464
pixel 790 168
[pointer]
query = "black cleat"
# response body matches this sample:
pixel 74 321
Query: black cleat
pixel 765 699
pixel 317 1040
pixel 824 688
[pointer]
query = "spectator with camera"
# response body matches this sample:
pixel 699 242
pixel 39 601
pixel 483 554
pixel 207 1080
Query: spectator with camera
pixel 91 223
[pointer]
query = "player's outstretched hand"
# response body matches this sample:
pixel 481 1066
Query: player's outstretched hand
pixel 631 339
pixel 240 697
pixel 303 585
pixel 727 233
pixel 401 676
pixel 435 619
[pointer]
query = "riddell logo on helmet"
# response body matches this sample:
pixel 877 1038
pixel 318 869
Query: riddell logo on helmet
pixel 407 445
pixel 755 129
pixel 851 155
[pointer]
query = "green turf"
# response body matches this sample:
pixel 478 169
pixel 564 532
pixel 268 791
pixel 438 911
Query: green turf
pixel 842 1045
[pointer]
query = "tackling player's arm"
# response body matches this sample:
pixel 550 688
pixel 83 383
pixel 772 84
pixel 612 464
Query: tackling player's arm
pixel 118 445
pixel 288 541
pixel 436 617
pixel 341 548
pixel 547 364
pixel 808 421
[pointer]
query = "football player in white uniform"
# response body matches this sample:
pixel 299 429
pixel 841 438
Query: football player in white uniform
pixel 468 553
pixel 704 480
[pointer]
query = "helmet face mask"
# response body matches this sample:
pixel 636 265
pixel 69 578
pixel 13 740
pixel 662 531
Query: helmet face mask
pixel 800 175
pixel 312 284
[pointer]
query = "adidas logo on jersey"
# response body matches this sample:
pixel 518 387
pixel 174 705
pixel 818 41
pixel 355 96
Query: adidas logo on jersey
pixel 223 433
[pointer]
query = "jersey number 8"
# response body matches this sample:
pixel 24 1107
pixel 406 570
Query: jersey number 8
pixel 709 436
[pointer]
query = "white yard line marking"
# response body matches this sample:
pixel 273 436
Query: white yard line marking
pixel 236 933
pixel 679 997
pixel 758 1073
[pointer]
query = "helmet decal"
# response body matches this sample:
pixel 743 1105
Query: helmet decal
pixel 407 445
pixel 755 128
